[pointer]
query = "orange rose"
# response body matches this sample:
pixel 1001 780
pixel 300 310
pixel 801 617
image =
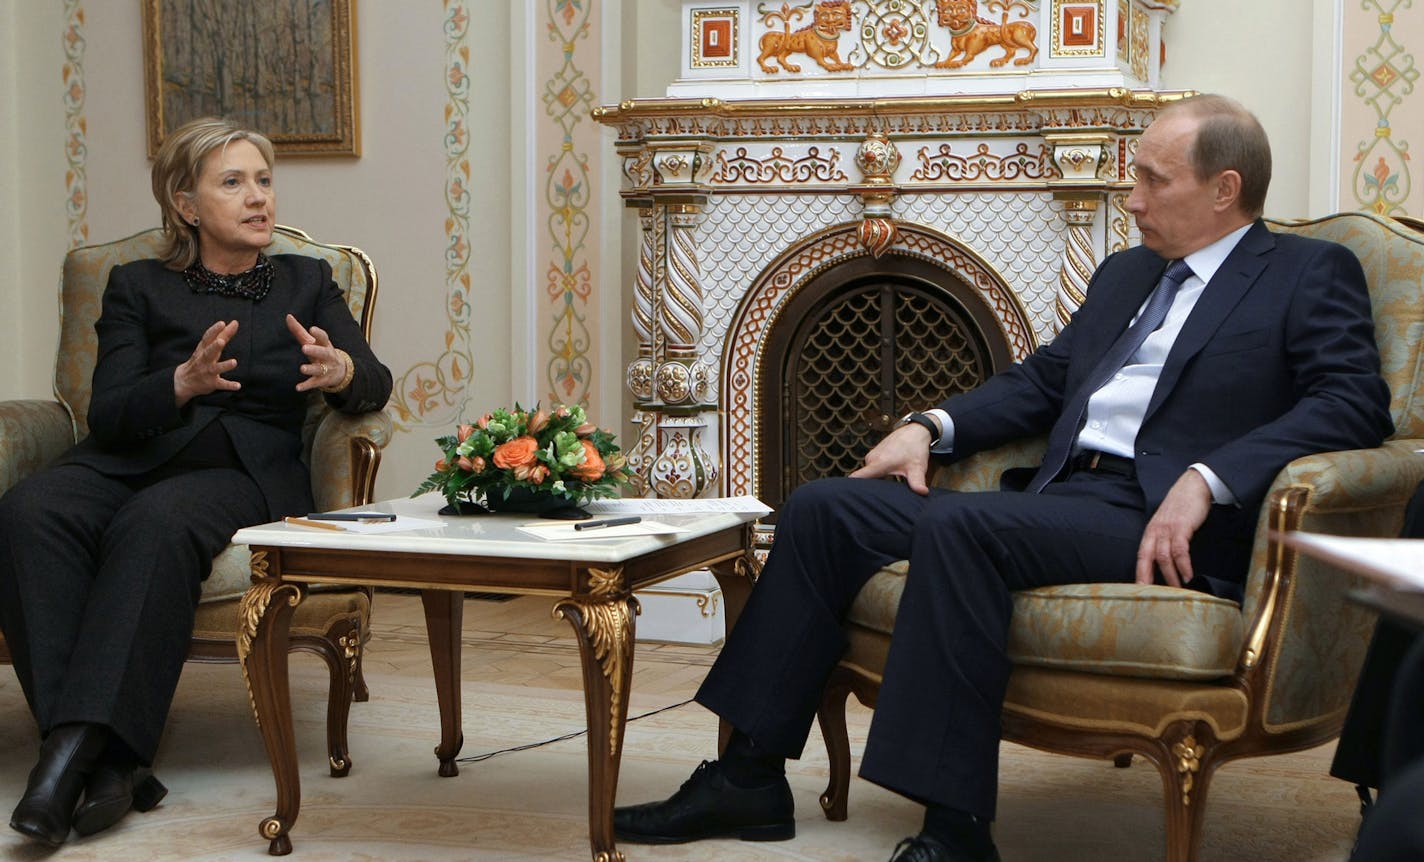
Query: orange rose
pixel 591 470
pixel 516 453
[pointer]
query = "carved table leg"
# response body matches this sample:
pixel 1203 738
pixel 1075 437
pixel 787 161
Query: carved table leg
pixel 603 623
pixel 444 616
pixel 266 618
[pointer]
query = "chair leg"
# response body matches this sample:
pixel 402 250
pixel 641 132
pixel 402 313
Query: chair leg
pixel 832 717
pixel 1190 760
pixel 360 693
pixel 341 650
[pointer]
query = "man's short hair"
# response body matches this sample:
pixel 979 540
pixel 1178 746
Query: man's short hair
pixel 1229 138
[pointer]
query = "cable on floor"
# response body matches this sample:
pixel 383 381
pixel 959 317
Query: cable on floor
pixel 476 758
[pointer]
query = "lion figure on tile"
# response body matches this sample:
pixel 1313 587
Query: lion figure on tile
pixel 972 35
pixel 817 40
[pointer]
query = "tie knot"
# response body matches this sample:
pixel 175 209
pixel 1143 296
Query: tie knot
pixel 1177 272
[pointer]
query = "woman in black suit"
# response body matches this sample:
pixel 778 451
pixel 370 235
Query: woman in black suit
pixel 205 361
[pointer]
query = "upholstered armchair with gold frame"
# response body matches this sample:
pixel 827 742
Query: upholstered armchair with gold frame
pixel 344 451
pixel 1185 680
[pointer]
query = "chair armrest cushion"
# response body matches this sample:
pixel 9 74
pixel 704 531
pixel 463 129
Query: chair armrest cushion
pixel 1319 636
pixel 1380 480
pixel 331 466
pixel 32 434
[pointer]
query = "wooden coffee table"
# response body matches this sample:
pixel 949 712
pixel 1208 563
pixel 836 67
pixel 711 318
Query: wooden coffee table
pixel 591 581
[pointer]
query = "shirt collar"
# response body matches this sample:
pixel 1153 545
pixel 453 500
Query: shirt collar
pixel 1206 261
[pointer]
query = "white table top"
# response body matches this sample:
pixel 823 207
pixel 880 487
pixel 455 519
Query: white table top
pixel 484 535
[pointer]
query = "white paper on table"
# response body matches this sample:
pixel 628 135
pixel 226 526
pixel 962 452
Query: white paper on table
pixel 565 532
pixel 400 524
pixel 653 506
pixel 1396 562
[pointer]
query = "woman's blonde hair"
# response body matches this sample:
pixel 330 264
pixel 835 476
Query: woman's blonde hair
pixel 176 170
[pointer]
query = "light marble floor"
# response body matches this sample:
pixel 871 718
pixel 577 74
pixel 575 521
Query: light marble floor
pixel 522 684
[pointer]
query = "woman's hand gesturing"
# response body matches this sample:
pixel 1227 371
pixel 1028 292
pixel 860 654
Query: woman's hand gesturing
pixel 327 367
pixel 204 370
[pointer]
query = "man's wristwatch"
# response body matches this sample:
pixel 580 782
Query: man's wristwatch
pixel 922 420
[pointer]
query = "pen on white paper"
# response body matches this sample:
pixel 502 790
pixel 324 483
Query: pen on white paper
pixel 565 532
pixel 653 506
pixel 313 525
pixel 606 522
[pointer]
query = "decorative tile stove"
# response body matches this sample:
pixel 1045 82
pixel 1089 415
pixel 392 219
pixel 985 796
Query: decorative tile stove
pixel 901 139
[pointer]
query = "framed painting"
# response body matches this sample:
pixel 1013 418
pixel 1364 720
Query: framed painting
pixel 285 68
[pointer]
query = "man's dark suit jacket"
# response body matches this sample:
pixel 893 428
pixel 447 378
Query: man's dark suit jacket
pixel 151 322
pixel 1276 361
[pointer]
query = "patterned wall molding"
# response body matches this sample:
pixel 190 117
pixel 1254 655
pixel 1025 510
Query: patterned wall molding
pixel 568 62
pixel 1380 78
pixel 76 145
pixel 432 393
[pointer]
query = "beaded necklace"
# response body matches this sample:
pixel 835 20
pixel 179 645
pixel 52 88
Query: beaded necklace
pixel 252 284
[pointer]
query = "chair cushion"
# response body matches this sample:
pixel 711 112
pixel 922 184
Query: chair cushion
pixel 1113 629
pixel 314 617
pixel 231 575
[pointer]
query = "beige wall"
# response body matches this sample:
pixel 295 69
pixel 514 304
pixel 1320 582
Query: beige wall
pixel 32 221
pixel 1278 57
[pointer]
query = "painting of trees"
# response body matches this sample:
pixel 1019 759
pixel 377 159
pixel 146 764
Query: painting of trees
pixel 282 67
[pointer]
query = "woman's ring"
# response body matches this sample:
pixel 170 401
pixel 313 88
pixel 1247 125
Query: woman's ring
pixel 322 366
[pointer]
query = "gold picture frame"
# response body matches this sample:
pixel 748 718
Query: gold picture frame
pixel 285 68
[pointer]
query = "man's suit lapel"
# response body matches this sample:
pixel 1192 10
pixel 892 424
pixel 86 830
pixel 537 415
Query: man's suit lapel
pixel 1219 298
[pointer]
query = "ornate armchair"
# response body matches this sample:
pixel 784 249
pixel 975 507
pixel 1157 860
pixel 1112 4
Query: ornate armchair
pixel 1185 680
pixel 344 452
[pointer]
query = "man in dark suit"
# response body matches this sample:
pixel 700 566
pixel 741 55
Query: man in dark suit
pixel 1200 364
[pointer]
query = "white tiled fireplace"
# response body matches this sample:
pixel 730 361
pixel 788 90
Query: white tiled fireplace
pixel 1005 182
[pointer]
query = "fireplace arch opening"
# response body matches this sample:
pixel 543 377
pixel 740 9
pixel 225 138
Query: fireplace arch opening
pixel 857 346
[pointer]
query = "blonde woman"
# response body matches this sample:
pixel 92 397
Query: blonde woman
pixel 205 361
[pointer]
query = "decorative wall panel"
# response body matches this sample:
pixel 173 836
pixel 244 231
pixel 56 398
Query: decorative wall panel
pixel 76 147
pixel 432 392
pixel 1382 112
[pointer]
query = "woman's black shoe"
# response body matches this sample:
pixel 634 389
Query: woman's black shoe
pixel 709 806
pixel 67 757
pixel 112 791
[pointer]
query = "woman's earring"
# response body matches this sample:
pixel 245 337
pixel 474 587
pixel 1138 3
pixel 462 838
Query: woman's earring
pixel 195 221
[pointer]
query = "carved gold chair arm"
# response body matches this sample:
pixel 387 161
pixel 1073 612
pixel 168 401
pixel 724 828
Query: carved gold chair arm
pixel 346 451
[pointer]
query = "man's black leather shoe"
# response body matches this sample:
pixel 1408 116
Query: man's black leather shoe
pixel 709 806
pixel 112 791
pixel 926 848
pixel 67 756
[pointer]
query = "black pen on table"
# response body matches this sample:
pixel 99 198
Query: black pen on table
pixel 607 522
pixel 362 517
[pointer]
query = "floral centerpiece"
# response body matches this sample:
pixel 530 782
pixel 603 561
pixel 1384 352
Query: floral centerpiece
pixel 527 460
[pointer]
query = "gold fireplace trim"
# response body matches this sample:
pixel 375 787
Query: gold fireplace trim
pixel 631 110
